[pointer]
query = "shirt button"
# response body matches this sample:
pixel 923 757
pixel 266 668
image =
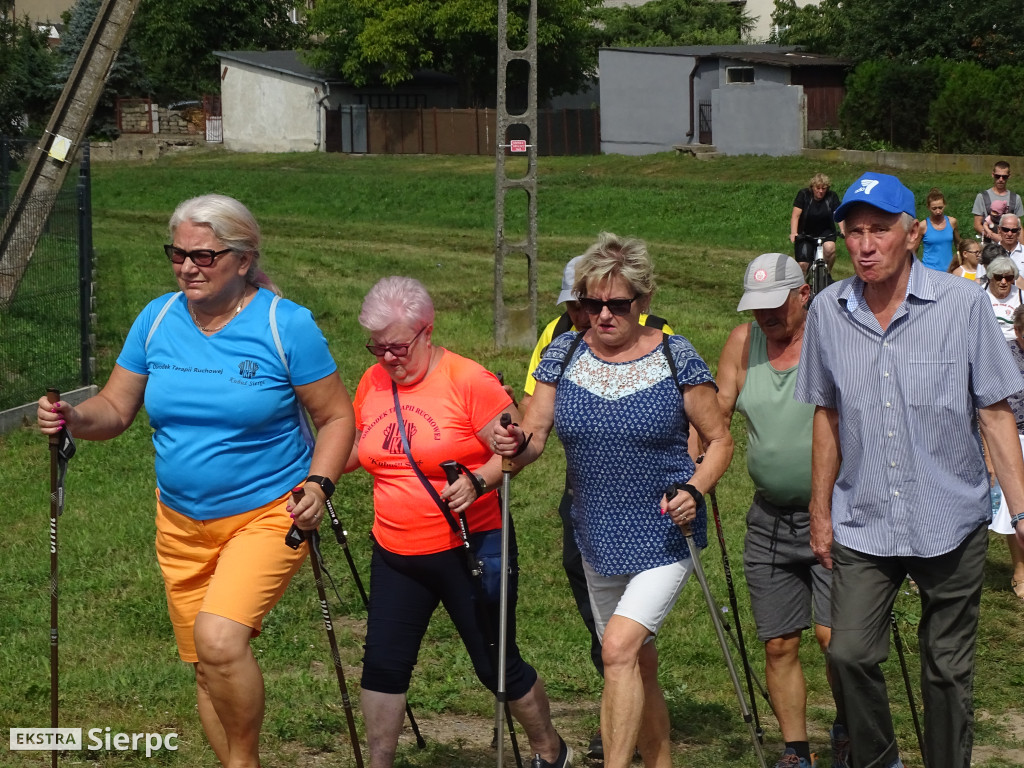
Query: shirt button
pixel 895 493
pixel 891 434
pixel 885 343
pixel 892 463
pixel 886 374
pixel 888 405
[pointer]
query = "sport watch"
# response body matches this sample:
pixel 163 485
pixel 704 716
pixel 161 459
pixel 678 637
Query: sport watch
pixel 325 484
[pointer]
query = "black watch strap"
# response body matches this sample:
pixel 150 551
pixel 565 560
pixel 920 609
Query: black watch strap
pixel 325 484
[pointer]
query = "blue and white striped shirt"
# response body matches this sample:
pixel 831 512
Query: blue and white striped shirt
pixel 912 480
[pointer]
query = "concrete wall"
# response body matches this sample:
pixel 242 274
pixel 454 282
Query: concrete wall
pixel 269 112
pixel 644 102
pixel 758 119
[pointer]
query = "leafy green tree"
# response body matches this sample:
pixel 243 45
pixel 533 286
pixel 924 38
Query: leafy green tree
pixel 673 22
pixel 26 66
pixel 991 33
pixel 180 36
pixel 386 41
pixel 126 78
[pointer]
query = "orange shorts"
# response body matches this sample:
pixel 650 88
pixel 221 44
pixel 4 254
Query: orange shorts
pixel 236 567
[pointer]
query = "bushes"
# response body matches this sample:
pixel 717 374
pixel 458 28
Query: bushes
pixel 934 105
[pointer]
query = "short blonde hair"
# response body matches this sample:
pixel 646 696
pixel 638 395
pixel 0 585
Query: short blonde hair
pixel 614 256
pixel 819 180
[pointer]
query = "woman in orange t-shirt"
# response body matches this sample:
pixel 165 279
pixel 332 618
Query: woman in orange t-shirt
pixel 448 407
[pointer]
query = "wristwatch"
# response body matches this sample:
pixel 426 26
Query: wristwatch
pixel 325 484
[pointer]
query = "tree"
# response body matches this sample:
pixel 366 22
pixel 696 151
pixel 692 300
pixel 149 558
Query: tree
pixel 126 77
pixel 673 22
pixel 990 33
pixel 179 38
pixel 388 40
pixel 26 66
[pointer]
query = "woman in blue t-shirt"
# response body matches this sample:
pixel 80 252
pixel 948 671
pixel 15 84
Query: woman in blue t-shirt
pixel 224 367
pixel 622 397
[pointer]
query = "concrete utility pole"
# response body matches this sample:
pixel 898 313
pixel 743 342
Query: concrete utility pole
pixel 516 326
pixel 55 153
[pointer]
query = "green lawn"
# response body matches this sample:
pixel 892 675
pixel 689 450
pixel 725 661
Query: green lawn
pixel 333 225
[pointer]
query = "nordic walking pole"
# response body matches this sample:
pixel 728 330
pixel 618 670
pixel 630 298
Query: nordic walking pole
pixel 452 469
pixel 62 448
pixel 500 697
pixel 56 502
pixel 312 540
pixel 898 641
pixel 342 536
pixel 698 569
pixel 736 616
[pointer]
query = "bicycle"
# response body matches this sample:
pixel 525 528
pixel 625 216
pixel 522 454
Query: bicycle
pixel 818 276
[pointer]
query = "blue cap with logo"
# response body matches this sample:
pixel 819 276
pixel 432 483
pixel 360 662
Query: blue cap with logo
pixel 881 190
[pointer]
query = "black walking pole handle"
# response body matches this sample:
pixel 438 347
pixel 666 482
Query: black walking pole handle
pixel 296 535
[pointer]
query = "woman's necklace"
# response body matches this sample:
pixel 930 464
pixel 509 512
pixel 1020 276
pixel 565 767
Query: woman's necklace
pixel 221 327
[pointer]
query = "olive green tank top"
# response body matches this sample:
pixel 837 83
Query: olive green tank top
pixel 778 428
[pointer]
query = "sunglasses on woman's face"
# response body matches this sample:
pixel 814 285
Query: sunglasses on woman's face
pixel 201 258
pixel 1002 278
pixel 618 307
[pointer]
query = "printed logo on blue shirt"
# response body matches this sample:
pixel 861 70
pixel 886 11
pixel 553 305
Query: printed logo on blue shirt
pixel 247 369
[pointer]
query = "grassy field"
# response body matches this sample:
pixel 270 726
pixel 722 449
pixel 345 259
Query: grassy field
pixel 333 225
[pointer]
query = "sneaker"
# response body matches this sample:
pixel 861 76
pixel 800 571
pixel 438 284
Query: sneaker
pixel 595 751
pixel 840 746
pixel 790 759
pixel 564 759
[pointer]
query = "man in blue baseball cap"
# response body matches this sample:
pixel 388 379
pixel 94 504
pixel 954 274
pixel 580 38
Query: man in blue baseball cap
pixel 897 360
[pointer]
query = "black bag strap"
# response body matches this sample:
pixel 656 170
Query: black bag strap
pixel 568 355
pixel 459 527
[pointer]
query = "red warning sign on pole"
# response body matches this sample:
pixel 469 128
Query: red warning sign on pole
pixel 517 145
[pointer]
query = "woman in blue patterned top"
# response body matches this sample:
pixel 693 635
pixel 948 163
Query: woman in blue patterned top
pixel 622 397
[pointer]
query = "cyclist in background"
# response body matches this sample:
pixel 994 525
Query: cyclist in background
pixel 812 218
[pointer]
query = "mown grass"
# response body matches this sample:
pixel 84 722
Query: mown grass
pixel 333 225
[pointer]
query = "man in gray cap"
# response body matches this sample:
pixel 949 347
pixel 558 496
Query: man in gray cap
pixel 904 365
pixel 789 588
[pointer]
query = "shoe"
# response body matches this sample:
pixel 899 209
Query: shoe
pixel 595 751
pixel 840 746
pixel 1018 588
pixel 564 759
pixel 790 759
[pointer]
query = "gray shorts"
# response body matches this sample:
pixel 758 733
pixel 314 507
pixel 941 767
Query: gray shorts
pixel 783 575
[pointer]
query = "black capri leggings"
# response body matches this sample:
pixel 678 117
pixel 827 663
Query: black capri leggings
pixel 405 590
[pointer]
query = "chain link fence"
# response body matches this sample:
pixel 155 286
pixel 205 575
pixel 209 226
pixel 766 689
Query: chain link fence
pixel 45 330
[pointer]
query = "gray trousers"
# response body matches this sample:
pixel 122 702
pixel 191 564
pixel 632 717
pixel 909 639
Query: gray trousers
pixel 864 588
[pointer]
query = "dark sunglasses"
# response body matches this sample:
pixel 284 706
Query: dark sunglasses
pixel 1002 278
pixel 397 350
pixel 618 307
pixel 1014 230
pixel 1000 176
pixel 201 258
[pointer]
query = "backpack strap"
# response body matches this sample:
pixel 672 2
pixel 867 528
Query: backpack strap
pixel 1011 202
pixel 304 427
pixel 671 362
pixel 159 319
pixel 564 325
pixel 653 321
pixel 569 354
pixel 986 200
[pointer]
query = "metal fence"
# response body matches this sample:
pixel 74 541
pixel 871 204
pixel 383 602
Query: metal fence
pixel 46 337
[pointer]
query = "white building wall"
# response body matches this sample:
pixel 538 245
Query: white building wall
pixel 269 111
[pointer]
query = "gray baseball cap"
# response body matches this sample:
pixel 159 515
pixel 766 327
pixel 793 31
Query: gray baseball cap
pixel 568 277
pixel 769 279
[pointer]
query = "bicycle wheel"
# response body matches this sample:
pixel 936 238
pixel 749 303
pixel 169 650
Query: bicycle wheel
pixel 817 277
